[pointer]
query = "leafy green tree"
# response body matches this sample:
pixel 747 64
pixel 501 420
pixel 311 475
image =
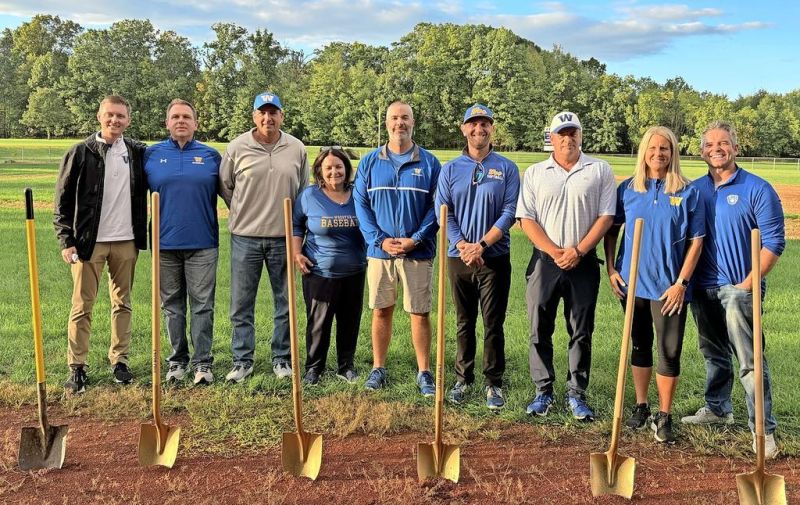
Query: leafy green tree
pixel 47 112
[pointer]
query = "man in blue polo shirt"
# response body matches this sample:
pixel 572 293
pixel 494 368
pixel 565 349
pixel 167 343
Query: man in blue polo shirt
pixel 186 173
pixel 736 201
pixel 480 189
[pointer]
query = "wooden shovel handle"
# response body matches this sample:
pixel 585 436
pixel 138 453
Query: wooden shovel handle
pixel 437 413
pixel 619 399
pixel 297 393
pixel 758 344
pixel 155 307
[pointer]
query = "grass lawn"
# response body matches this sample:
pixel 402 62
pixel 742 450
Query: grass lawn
pixel 252 415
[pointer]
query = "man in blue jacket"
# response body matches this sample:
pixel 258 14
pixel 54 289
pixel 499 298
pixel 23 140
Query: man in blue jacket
pixel 186 174
pixel 394 192
pixel 480 189
pixel 736 201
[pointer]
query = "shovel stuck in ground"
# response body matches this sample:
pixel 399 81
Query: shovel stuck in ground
pixel 438 459
pixel 610 473
pixel 759 487
pixel 301 452
pixel 43 446
pixel 158 442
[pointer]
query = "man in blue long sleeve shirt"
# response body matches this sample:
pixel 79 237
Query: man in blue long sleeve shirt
pixel 394 203
pixel 735 202
pixel 480 189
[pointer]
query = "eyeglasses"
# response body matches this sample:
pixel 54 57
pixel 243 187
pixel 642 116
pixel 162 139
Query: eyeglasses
pixel 327 149
pixel 478 174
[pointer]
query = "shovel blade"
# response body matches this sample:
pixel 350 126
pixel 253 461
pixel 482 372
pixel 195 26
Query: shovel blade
pixel 302 460
pixel 448 468
pixel 759 488
pixel 152 451
pixel 34 456
pixel 622 475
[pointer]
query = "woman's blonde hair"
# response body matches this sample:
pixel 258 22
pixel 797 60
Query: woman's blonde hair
pixel 675 180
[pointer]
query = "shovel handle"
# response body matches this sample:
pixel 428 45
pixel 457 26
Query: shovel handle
pixel 758 345
pixel 619 399
pixel 155 308
pixel 437 414
pixel 33 275
pixel 297 393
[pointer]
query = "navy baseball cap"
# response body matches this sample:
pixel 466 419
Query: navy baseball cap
pixel 478 110
pixel 267 98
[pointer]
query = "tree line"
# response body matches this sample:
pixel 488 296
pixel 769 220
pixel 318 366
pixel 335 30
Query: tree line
pixel 55 73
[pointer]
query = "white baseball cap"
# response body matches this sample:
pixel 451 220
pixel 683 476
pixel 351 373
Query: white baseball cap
pixel 563 120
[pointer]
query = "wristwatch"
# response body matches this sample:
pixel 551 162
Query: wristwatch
pixel 483 244
pixel 683 282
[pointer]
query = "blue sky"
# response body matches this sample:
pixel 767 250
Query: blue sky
pixel 733 47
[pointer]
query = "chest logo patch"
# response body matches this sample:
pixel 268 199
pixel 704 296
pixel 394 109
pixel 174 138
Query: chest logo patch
pixel 675 201
pixel 732 199
pixel 417 172
pixel 495 174
pixel 198 160
pixel 163 160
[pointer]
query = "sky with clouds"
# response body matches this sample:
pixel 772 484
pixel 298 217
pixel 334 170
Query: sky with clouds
pixel 733 47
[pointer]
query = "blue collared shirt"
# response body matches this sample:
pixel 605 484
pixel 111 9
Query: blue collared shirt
pixel 670 222
pixel 733 209
pixel 475 206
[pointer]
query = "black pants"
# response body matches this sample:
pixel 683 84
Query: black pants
pixel 547 284
pixel 668 329
pixel 490 286
pixel 327 298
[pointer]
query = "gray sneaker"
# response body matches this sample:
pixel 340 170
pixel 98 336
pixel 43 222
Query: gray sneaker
pixel 239 372
pixel 706 416
pixel 177 372
pixel 203 375
pixel 458 392
pixel 282 370
pixel 770 447
pixel 348 375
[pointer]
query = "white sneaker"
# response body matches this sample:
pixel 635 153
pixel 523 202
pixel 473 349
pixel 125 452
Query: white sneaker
pixel 239 373
pixel 706 416
pixel 282 370
pixel 770 447
pixel 177 372
pixel 203 375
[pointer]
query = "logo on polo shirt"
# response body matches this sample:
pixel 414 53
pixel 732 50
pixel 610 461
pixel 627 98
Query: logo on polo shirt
pixel 417 172
pixel 495 174
pixel 163 160
pixel 732 199
pixel 198 160
pixel 675 201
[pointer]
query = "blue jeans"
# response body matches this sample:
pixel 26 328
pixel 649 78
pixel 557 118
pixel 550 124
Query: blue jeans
pixel 191 272
pixel 724 318
pixel 247 256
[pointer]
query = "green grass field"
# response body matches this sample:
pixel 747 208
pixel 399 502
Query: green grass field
pixel 252 415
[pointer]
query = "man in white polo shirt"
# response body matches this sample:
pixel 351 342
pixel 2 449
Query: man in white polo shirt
pixel 566 205
pixel 101 217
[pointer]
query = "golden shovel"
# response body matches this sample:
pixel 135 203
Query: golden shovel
pixel 43 446
pixel 438 459
pixel 301 452
pixel 610 473
pixel 158 442
pixel 759 487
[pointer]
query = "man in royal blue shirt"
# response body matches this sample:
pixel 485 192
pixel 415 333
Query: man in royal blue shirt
pixel 736 201
pixel 186 173
pixel 480 189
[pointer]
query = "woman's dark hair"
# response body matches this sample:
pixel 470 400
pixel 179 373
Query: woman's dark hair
pixel 337 151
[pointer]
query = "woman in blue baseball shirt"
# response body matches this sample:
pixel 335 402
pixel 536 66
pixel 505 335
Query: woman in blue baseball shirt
pixel 672 240
pixel 331 253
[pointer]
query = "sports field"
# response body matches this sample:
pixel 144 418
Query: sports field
pixel 246 421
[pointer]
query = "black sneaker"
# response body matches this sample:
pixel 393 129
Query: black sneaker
pixel 312 377
pixel 76 384
pixel 639 416
pixel 122 374
pixel 662 426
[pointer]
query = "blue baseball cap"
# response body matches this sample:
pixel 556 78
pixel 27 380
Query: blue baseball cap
pixel 267 98
pixel 478 110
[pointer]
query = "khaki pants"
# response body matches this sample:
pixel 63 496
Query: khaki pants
pixel 121 259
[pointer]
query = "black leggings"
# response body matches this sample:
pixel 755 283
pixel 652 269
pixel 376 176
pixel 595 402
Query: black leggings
pixel 668 329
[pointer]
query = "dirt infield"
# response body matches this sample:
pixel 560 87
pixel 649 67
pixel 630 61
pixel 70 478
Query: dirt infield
pixel 521 466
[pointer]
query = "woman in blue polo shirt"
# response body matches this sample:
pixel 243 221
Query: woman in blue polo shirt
pixel 331 254
pixel 672 240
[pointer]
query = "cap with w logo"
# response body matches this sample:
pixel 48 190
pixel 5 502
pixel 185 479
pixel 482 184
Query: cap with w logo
pixel 563 120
